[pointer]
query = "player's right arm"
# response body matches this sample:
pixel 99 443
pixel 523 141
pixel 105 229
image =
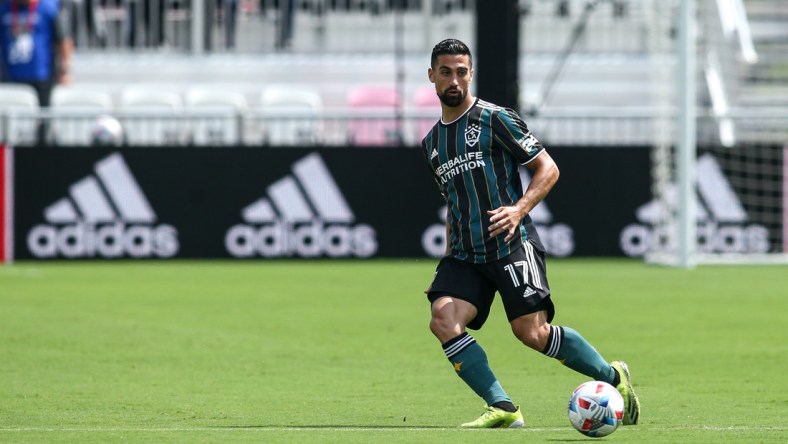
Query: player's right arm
pixel 508 218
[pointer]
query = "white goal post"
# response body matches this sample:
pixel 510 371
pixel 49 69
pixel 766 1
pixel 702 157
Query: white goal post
pixel 719 163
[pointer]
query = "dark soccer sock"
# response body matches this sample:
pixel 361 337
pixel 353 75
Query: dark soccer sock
pixel 470 363
pixel 569 347
pixel 505 406
pixel 616 378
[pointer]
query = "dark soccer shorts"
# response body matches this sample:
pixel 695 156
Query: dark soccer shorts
pixel 520 278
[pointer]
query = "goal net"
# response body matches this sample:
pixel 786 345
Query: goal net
pixel 739 169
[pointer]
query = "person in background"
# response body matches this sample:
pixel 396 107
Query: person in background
pixel 284 36
pixel 145 17
pixel 36 48
pixel 229 10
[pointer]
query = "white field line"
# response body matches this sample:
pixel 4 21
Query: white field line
pixel 259 429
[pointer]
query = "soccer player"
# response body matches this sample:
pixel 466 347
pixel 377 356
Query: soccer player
pixel 475 152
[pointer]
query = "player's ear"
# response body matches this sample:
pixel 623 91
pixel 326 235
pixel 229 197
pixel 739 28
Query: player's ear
pixel 430 75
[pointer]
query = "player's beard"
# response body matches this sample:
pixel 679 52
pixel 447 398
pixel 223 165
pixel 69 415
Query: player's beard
pixel 453 100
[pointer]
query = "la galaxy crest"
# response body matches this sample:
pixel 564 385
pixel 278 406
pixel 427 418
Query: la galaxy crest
pixel 472 134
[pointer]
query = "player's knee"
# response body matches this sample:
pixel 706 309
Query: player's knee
pixel 449 317
pixel 442 326
pixel 532 336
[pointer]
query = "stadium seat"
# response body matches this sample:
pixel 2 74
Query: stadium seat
pixel 215 115
pixel 19 105
pixel 373 131
pixel 150 115
pixel 291 116
pixel 74 113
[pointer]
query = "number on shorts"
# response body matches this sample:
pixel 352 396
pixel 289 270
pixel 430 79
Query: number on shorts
pixel 512 269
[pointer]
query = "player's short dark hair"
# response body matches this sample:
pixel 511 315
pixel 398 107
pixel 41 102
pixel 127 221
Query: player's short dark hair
pixel 450 47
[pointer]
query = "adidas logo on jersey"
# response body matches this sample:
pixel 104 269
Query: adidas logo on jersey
pixel 721 218
pixel 104 215
pixel 303 214
pixel 528 291
pixel 434 154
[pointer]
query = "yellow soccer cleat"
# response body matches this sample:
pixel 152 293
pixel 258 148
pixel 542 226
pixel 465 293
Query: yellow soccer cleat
pixel 631 402
pixel 495 418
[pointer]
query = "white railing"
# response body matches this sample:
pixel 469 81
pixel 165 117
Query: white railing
pixel 342 127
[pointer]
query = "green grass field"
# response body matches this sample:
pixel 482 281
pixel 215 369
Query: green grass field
pixel 339 351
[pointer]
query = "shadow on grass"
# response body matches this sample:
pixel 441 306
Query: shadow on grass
pixel 334 426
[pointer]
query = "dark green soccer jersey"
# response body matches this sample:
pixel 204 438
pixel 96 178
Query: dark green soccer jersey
pixel 476 161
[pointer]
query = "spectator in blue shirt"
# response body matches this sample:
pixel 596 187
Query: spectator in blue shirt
pixel 35 45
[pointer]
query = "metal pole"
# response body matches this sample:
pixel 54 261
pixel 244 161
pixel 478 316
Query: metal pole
pixel 399 54
pixel 686 155
pixel 426 13
pixel 197 26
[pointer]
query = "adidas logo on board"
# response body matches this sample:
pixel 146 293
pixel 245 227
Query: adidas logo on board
pixel 302 214
pixel 105 214
pixel 722 222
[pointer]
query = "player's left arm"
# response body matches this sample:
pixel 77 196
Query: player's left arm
pixel 508 218
pixel 512 134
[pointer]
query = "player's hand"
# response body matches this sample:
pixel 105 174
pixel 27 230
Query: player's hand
pixel 505 219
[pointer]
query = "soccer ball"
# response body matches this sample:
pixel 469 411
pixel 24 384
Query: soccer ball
pixel 596 409
pixel 106 131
